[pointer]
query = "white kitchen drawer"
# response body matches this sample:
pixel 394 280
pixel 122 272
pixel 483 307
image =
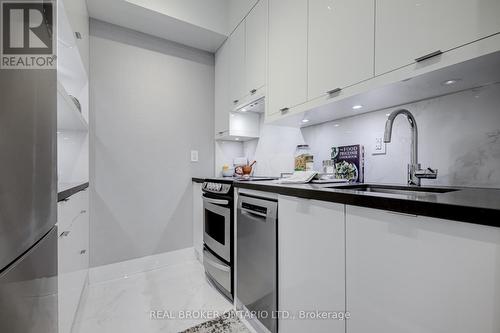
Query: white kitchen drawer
pixel 73 261
pixel 71 208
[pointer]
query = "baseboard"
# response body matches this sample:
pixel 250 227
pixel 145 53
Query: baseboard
pixel 126 268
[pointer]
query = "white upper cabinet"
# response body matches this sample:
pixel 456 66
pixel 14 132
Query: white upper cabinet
pixel 341 44
pixel 256 47
pixel 237 84
pixel 222 104
pixel 229 125
pixel 238 9
pixel 287 84
pixel 409 29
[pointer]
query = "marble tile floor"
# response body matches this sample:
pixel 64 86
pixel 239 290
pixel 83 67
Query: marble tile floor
pixel 124 305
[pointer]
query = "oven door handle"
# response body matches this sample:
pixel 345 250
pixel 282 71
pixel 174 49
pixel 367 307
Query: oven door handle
pixel 216 264
pixel 216 201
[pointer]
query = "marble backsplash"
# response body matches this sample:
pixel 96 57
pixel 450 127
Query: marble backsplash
pixel 459 134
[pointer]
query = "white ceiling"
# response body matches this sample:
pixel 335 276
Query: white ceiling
pixel 181 21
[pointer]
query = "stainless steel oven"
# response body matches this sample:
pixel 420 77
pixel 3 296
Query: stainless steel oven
pixel 218 211
pixel 217 226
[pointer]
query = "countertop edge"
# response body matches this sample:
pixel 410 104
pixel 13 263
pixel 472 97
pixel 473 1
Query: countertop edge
pixel 474 215
pixel 197 180
pixel 63 195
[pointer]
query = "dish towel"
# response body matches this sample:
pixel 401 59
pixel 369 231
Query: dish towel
pixel 298 177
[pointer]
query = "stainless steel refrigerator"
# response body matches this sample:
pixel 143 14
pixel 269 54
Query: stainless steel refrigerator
pixel 28 199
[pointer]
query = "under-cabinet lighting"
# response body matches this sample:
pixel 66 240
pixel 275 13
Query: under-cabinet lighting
pixel 450 82
pixel 357 107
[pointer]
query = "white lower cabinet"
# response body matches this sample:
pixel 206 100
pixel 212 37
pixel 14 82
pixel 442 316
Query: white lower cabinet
pixel 311 264
pixel 198 220
pixel 73 256
pixel 419 274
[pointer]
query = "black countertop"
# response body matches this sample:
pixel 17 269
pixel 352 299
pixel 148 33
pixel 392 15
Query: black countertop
pixel 198 180
pixel 67 190
pixel 472 205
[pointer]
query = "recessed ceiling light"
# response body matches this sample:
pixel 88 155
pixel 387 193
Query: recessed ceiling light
pixel 449 82
pixel 237 139
pixel 357 107
pixel 305 120
pixel 244 110
pixel 336 125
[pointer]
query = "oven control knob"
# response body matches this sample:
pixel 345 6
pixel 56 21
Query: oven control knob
pixel 219 187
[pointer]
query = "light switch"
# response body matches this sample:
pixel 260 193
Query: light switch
pixel 379 145
pixel 194 156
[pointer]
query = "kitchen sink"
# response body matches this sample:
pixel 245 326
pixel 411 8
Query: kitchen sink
pixel 394 189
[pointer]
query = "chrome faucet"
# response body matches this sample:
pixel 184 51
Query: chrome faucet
pixel 415 173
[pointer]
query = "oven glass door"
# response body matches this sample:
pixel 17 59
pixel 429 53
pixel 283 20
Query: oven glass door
pixel 217 226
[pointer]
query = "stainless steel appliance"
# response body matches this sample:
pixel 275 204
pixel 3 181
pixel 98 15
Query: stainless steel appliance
pixel 256 262
pixel 218 232
pixel 28 198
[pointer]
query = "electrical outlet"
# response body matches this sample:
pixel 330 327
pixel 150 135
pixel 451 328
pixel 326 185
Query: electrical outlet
pixel 379 145
pixel 194 156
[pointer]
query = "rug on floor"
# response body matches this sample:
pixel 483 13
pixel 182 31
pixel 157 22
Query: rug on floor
pixel 227 323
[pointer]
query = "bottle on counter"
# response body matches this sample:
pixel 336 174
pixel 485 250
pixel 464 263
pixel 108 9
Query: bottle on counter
pixel 328 167
pixel 304 159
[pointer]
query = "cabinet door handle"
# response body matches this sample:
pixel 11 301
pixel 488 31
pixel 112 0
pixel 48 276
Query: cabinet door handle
pixel 334 91
pixel 284 110
pixel 78 35
pixel 402 214
pixel 64 234
pixel 428 56
pixel 82 252
pixel 235 101
pixel 253 91
pixel 83 211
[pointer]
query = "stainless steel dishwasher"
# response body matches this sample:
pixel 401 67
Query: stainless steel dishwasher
pixel 256 259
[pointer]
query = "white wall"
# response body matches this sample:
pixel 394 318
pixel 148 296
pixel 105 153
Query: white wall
pixel 151 103
pixel 459 135
pixel 225 152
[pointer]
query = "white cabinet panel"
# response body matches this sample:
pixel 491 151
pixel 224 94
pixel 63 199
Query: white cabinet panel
pixel 237 84
pixel 287 54
pixel 229 125
pixel 238 9
pixel 79 20
pixel 69 209
pixel 409 29
pixel 73 256
pixel 256 47
pixel 311 263
pixel 222 105
pixel 419 274
pixel 340 45
pixel 197 220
